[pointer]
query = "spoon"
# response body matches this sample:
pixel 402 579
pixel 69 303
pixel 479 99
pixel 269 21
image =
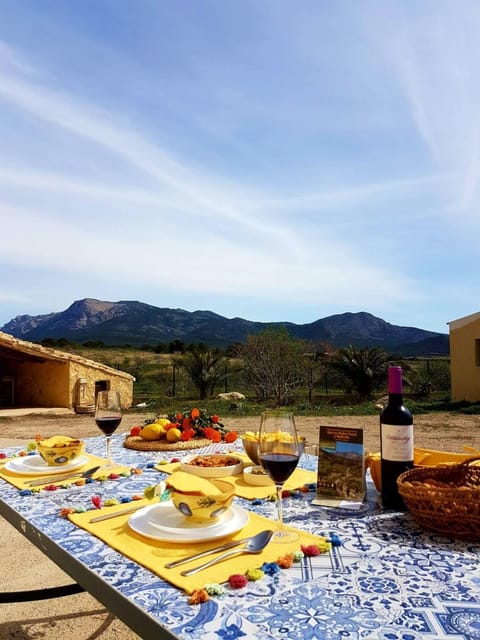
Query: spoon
pixel 256 544
pixel 202 554
pixel 62 477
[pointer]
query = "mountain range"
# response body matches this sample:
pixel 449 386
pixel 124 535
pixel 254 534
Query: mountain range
pixel 137 323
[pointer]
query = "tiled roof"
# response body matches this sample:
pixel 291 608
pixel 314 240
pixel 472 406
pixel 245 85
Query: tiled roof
pixel 31 348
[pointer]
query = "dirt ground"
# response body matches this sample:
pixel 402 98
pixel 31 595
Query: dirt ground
pixel 445 431
pixel 81 617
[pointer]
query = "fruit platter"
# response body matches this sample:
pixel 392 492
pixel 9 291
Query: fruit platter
pixel 189 429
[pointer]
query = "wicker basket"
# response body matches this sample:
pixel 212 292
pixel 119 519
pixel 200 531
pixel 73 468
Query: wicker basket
pixel 445 499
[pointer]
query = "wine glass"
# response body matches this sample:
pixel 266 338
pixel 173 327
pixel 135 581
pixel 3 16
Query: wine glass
pixel 279 454
pixel 108 415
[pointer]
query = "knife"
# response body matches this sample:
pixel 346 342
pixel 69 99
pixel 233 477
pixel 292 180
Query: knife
pixel 61 478
pixel 159 490
pixel 107 516
pixel 196 556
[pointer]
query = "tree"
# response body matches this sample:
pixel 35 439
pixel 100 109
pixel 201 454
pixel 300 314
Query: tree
pixel 205 369
pixel 176 346
pixel 431 376
pixel 274 364
pixel 323 355
pixel 363 369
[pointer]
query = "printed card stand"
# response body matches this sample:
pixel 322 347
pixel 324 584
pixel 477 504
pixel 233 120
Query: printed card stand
pixel 341 468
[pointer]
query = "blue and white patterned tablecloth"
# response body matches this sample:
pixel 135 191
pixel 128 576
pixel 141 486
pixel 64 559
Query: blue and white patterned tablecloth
pixel 389 580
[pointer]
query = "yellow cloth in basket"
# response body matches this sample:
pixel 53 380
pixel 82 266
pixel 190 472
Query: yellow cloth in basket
pixel 421 458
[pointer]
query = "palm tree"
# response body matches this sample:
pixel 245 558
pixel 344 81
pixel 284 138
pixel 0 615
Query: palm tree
pixel 364 369
pixel 205 369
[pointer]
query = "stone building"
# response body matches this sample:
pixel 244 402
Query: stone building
pixel 465 358
pixel 35 376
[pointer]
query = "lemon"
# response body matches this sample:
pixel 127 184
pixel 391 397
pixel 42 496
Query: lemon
pixel 174 435
pixel 162 421
pixel 152 432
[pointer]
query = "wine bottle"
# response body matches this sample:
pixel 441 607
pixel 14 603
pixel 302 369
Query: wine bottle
pixel 396 441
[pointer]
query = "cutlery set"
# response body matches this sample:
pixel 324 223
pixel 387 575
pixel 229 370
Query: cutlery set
pixel 253 544
pixel 62 477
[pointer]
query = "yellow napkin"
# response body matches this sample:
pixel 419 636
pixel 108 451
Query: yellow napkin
pixel 154 554
pixel 298 478
pixel 21 481
pixel 421 457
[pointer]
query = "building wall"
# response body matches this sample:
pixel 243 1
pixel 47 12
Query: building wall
pixel 41 383
pixel 464 361
pixel 46 377
pixel 91 375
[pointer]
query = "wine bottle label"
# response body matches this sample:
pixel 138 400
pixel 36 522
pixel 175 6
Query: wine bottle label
pixel 397 442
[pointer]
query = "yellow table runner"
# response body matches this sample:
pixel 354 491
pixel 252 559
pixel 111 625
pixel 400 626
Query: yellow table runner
pixel 298 478
pixel 21 481
pixel 154 554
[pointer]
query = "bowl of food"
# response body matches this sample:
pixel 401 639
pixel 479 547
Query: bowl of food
pixel 59 450
pixel 198 499
pixel 215 465
pixel 250 443
pixel 256 476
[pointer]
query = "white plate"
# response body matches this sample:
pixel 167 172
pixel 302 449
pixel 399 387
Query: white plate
pixel 36 466
pixel 257 479
pixel 212 472
pixel 163 522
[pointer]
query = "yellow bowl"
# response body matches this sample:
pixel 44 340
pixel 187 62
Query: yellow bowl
pixel 204 507
pixel 59 450
pixel 250 444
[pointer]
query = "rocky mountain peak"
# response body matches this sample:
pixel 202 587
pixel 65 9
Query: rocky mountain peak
pixel 137 323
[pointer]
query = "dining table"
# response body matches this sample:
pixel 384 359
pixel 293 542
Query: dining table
pixel 381 576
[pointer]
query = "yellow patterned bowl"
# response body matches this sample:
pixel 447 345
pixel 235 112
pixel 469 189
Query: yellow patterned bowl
pixel 205 501
pixel 59 450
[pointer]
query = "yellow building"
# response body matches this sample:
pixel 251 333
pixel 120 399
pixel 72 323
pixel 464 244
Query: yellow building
pixel 35 376
pixel 465 358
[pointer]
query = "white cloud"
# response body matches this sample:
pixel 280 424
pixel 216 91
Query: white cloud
pixel 435 60
pixel 330 171
pixel 293 255
pixel 206 267
pixel 12 297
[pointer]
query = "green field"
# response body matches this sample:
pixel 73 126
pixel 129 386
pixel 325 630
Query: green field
pixel 164 386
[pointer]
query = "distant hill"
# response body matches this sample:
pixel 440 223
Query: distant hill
pixel 137 323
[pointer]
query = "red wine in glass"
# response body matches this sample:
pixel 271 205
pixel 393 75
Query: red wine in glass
pixel 108 415
pixel 278 452
pixel 108 424
pixel 279 466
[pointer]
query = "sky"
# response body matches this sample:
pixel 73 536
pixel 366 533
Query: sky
pixel 265 159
